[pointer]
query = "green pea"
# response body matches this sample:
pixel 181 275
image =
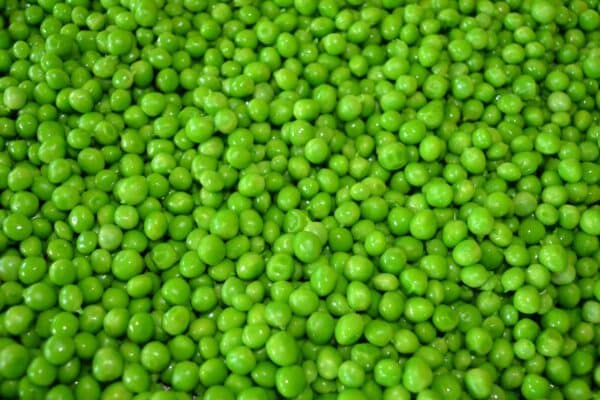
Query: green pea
pixel 282 349
pixel 290 381
pixel 155 357
pixel 527 300
pixel 417 375
pixel 478 382
pixel 211 250
pixel 14 359
pixel 349 329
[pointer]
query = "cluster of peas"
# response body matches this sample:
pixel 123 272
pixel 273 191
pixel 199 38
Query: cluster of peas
pixel 335 199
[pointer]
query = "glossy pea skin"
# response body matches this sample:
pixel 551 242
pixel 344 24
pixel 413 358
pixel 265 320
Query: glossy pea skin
pixel 417 375
pixel 349 329
pixel 299 199
pixel 282 349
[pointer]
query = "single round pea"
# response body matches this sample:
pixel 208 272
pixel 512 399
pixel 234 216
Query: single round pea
pixel 282 349
pixel 417 375
pixel 479 383
pixel 290 381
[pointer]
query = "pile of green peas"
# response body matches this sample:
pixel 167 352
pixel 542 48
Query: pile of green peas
pixel 299 199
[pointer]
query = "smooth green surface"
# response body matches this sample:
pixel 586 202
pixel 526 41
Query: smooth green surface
pixel 299 199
